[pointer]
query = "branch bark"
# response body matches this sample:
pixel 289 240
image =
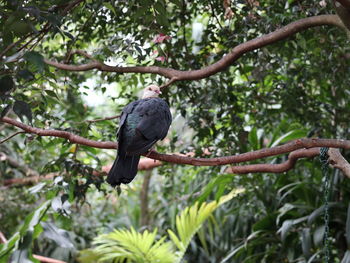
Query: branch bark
pixel 220 65
pixel 337 160
pixel 306 143
pixel 344 3
pixel 62 134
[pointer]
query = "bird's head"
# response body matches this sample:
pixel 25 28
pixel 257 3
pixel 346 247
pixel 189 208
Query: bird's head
pixel 152 91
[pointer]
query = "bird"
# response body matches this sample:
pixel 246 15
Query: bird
pixel 142 123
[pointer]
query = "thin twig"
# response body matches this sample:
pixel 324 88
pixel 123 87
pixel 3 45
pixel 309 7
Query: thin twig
pixel 103 119
pixel 12 135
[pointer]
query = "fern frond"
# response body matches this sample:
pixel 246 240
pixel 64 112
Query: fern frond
pixel 192 218
pixel 120 245
pixel 130 246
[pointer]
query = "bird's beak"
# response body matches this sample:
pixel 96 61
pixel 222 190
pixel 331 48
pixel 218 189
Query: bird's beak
pixel 159 92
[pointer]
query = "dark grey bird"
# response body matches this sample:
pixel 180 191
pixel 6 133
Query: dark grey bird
pixel 142 123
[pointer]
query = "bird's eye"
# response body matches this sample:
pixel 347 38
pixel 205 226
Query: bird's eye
pixel 149 89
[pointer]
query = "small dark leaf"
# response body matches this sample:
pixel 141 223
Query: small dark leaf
pixel 36 59
pixel 32 10
pixel 68 35
pixel 25 74
pixel 20 28
pixel 6 84
pixel 21 108
pixel 52 94
pixel 54 19
pixel 6 110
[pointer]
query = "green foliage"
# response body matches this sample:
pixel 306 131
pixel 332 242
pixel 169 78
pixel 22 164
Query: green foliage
pixel 21 242
pixel 131 246
pixel 294 88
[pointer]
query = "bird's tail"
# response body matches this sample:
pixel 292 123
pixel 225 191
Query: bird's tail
pixel 124 170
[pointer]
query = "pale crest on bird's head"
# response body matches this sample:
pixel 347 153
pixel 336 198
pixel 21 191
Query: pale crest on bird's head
pixel 152 91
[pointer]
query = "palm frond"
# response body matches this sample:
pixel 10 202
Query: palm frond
pixel 192 218
pixel 125 245
pixel 133 246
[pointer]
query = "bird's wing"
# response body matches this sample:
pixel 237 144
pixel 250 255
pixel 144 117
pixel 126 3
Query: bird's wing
pixel 126 111
pixel 153 125
pixel 156 119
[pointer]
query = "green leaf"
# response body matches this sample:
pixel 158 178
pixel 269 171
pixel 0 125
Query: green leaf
pixel 177 2
pixel 161 17
pixel 266 223
pixel 21 109
pixel 6 248
pixel 25 74
pixel 292 135
pixel 306 243
pixel 253 139
pixel 21 28
pixel 51 93
pixel 219 181
pixel 36 188
pixel 319 212
pixel 36 59
pixel 6 84
pixel 288 224
pixel 35 217
pixel 59 236
pixel 110 7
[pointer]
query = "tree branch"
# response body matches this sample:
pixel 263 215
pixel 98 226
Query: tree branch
pixel 276 168
pixel 172 158
pixel 344 3
pixel 62 134
pixel 12 135
pixel 222 64
pixel 337 160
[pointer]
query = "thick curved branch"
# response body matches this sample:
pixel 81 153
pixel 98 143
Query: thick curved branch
pixel 223 63
pixel 275 168
pixel 172 158
pixel 62 134
pixel 337 160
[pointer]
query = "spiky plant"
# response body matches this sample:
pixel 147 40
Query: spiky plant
pixel 131 246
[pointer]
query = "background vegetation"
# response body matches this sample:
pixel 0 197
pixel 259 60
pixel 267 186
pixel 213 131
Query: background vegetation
pixel 293 88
